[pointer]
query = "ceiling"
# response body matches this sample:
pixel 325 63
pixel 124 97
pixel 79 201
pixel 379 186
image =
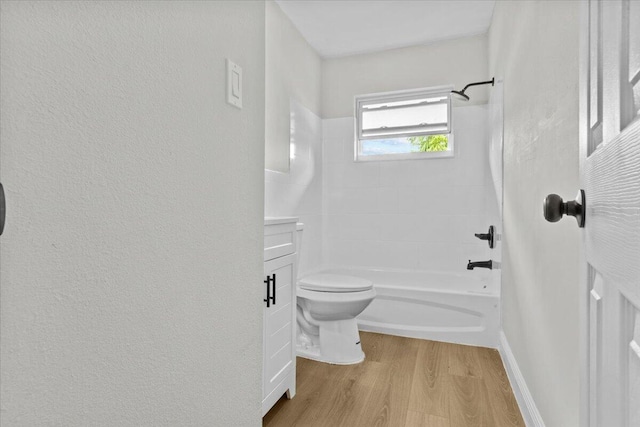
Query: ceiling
pixel 348 27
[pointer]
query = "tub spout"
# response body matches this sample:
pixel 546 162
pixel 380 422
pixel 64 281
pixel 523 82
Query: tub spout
pixel 480 264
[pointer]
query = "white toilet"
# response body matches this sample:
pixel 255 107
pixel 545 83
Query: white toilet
pixel 327 308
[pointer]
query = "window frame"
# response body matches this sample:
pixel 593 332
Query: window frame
pixel 396 96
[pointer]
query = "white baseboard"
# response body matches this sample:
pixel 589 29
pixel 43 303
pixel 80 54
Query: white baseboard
pixel 527 405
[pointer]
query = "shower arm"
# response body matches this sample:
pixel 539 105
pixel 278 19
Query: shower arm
pixel 478 84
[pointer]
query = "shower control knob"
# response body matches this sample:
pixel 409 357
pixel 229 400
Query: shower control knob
pixel 554 208
pixel 489 237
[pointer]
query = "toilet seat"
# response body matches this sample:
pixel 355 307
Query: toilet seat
pixel 326 282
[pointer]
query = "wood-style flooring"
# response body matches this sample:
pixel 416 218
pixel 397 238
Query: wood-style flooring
pixel 403 382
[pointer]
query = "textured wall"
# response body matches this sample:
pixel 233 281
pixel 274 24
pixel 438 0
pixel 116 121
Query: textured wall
pixel 534 47
pixel 292 74
pixel 459 62
pixel 132 257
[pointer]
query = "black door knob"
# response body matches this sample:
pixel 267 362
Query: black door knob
pixel 555 208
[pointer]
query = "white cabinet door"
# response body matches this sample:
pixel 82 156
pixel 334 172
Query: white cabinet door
pixel 279 332
pixel 610 176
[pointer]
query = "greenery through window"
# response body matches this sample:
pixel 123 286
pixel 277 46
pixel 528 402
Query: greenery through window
pixel 430 142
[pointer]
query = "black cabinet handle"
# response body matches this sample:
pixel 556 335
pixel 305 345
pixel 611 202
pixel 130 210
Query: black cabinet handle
pixel 274 289
pixel 271 290
pixel 3 209
pixel 268 299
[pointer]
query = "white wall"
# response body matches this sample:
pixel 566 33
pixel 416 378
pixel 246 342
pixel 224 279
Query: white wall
pixel 292 72
pixel 534 47
pixel 132 256
pixel 299 192
pixel 459 62
pixel 409 214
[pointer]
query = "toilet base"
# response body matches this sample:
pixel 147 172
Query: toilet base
pixel 338 343
pixel 314 354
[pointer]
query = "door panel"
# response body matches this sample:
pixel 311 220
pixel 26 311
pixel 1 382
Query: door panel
pixel 630 40
pixel 595 75
pixel 595 356
pixel 632 363
pixel 612 238
pixel 610 176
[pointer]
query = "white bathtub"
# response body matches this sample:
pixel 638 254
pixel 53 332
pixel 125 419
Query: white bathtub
pixel 447 307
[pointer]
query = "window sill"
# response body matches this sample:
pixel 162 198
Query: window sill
pixel 406 156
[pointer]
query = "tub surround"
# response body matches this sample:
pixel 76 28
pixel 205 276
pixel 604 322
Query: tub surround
pixel 382 214
pixel 409 214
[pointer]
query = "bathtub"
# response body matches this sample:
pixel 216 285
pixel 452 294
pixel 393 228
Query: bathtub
pixel 449 307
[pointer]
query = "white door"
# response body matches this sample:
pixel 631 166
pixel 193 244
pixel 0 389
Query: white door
pixel 610 176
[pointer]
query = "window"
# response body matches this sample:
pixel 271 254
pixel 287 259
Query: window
pixel 410 124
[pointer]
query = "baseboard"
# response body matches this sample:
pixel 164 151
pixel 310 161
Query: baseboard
pixel 527 405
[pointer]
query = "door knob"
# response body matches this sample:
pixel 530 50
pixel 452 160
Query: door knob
pixel 555 208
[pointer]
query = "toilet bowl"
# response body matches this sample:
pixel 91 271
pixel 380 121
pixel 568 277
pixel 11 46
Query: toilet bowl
pixel 327 308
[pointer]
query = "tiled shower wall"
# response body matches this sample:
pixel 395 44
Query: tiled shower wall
pixel 410 214
pixel 299 192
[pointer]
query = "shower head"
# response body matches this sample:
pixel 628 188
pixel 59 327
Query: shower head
pixel 461 96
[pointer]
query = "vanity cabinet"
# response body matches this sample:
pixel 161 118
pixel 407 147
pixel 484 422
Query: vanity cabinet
pixel 279 311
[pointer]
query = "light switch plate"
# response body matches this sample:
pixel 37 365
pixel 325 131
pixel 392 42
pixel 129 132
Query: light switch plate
pixel 234 84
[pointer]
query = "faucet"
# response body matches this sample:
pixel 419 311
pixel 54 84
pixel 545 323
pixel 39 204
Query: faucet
pixel 480 264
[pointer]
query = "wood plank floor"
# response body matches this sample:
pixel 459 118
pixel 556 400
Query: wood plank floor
pixel 403 382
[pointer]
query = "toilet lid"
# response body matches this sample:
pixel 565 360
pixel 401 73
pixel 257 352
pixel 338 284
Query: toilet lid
pixel 326 282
